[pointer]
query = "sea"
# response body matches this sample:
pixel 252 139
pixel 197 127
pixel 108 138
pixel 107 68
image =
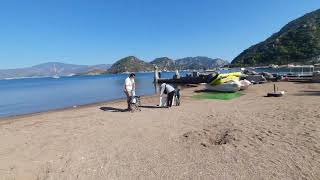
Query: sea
pixel 31 95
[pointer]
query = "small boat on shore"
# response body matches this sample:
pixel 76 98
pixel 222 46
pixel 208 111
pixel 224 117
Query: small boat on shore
pixel 228 82
pixel 226 87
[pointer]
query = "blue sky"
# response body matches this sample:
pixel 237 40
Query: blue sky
pixel 103 31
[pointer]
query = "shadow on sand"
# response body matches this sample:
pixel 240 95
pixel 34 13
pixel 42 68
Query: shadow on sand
pixel 309 93
pixel 112 109
pixel 152 107
pixel 202 91
pixel 303 82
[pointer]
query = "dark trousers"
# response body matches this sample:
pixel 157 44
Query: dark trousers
pixel 128 100
pixel 170 98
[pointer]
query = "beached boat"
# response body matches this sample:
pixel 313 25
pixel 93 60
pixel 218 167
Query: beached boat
pixel 229 82
pixel 226 87
pixel 224 78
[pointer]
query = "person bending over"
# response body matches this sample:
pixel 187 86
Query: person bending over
pixel 169 90
pixel 129 88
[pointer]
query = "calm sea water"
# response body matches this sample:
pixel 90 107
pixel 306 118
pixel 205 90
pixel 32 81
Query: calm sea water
pixel 24 96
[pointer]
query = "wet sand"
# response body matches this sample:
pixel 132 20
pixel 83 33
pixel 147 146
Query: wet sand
pixel 251 137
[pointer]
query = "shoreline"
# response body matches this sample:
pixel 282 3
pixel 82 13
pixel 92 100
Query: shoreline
pixel 14 117
pixel 6 120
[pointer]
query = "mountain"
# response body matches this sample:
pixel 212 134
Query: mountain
pixel 127 64
pixel 50 69
pixel 199 62
pixel 93 72
pixel 100 67
pixel 164 63
pixel 133 64
pixel 130 64
pixel 192 63
pixel 297 42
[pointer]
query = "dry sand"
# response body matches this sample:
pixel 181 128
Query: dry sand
pixel 251 137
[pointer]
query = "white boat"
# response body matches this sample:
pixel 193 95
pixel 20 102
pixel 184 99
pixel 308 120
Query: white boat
pixel 228 82
pixel 70 75
pixel 56 76
pixel 226 87
pixel 244 84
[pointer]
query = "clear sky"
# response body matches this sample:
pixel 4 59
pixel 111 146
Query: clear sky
pixel 103 31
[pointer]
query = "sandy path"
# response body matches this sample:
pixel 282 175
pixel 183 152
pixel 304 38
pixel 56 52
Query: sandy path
pixel 251 137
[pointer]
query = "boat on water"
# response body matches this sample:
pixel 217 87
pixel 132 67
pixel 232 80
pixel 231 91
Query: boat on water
pixel 70 75
pixel 55 76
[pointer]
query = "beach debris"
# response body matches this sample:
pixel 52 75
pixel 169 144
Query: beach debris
pixel 276 92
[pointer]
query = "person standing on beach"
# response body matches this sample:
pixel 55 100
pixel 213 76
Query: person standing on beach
pixel 170 91
pixel 129 88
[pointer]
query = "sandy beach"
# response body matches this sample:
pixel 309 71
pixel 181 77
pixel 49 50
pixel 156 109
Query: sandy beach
pixel 251 137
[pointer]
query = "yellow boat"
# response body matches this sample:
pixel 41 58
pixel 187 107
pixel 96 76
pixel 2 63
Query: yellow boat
pixel 223 78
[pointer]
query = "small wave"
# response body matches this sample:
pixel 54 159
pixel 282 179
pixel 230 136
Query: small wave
pixel 33 77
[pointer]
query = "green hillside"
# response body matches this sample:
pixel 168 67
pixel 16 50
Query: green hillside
pixel 130 64
pixel 297 42
pixel 164 63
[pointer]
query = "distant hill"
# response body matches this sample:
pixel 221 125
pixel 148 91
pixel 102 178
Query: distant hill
pixel 133 64
pixel 127 64
pixel 191 63
pixel 130 64
pixel 50 69
pixel 100 67
pixel 199 62
pixel 93 72
pixel 297 42
pixel 164 63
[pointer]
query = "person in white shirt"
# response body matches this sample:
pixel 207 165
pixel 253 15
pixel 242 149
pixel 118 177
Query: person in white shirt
pixel 129 88
pixel 169 90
